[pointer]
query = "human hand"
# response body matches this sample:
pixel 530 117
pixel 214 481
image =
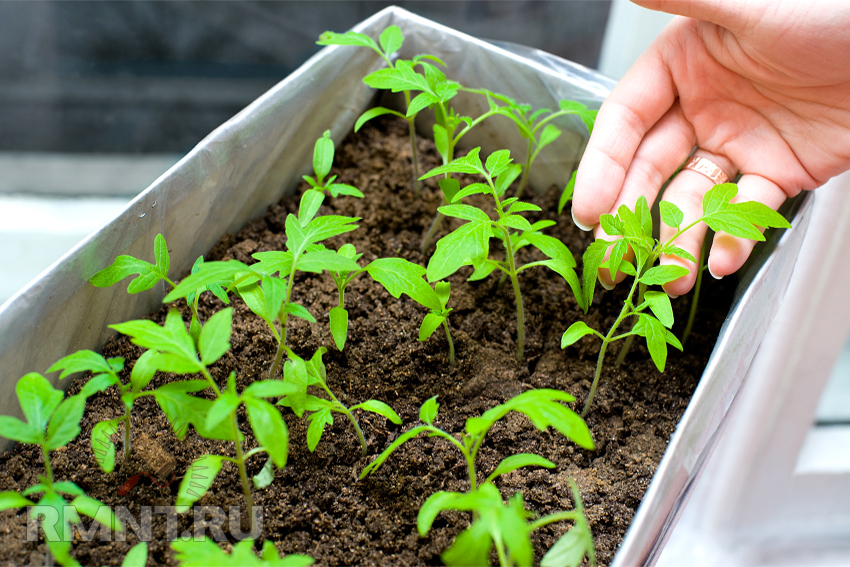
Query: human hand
pixel 761 87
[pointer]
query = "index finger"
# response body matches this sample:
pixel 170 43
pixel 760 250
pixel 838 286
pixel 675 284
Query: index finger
pixel 638 101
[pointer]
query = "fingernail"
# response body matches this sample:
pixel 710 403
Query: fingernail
pixel 583 227
pixel 671 296
pixel 609 287
pixel 712 273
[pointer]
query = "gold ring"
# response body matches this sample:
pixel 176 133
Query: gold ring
pixel 708 168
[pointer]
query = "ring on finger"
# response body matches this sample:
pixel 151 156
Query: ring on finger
pixel 707 168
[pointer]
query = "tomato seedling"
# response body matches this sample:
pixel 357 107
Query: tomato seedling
pixel 204 553
pixel 653 311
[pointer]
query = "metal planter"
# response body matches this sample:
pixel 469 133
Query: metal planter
pixel 257 157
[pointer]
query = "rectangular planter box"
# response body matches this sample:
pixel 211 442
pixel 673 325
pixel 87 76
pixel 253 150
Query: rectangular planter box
pixel 257 157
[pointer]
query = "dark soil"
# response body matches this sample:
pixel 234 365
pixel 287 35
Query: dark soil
pixel 316 505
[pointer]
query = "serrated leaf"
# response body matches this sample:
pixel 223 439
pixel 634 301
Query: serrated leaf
pixel 760 215
pixel 679 253
pixel 519 461
pixel 671 215
pixel 612 225
pixel 197 481
pixel 576 331
pixel 430 323
pixel 497 162
pixel 210 273
pixel 516 222
pixel 660 305
pixel 269 429
pixel 273 261
pixel 318 421
pixel 519 207
pixel 123 266
pixel 660 275
pixel 459 248
pixel 428 411
pixel 471 189
pixel 380 408
pixel 298 238
pixel 717 198
pixel 317 261
pixel 656 341
pixel 400 276
pixel 215 336
pixel 339 326
pixel 734 224
pixel 567 193
pixel 470 163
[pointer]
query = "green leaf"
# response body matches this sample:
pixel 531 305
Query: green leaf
pixel 515 221
pixel 644 216
pixel 402 77
pixel 222 273
pixel 732 223
pixel 400 276
pixel 349 38
pixel 659 302
pixel 519 461
pixel 181 409
pixel 269 429
pixel 299 311
pixel 570 549
pixel 498 161
pixel 11 499
pixel 576 331
pixel 459 248
pixel 660 275
pixel 672 340
pixel 465 212
pixel 717 198
pixel 221 409
pixel 443 290
pixel 298 238
pixel 471 548
pixel 265 477
pixel 612 225
pixel 431 508
pixel 471 189
pixel 295 373
pixel 197 481
pixel 430 323
pixel 143 370
pixel 470 163
pixel 591 260
pixel 339 326
pixel 97 510
pixel 760 215
pixel 428 411
pixel 64 425
pixel 379 408
pixel 84 361
pixel 137 556
pixel 441 141
pixel 508 176
pixel 337 189
pixel 68 487
pixel 317 261
pixel 402 439
pixel 617 252
pixel 421 102
pixel 374 113
pixel 215 336
pixel 148 274
pixel 38 399
pixel 656 341
pixel 102 445
pixel 318 421
pixel 265 389
pixel 171 338
pixel 273 261
pixel 323 155
pixel 311 200
pixel 679 253
pixel 450 187
pixel 519 207
pixel 671 215
pixel 567 193
pixel 482 270
pixel 16 430
pixel 391 39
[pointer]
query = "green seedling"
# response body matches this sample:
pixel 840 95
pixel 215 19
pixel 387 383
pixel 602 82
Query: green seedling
pixel 494 524
pixel 148 275
pixel 391 40
pixel 137 556
pixel 105 374
pixel 51 423
pixel 653 311
pixel 339 315
pixel 470 244
pixel 206 553
pixel 323 159
pixel 536 126
pixel 399 276
pixel 299 375
pixel 212 419
pixel 268 296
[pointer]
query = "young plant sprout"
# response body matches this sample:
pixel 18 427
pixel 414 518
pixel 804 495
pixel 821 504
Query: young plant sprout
pixel 470 244
pixel 268 296
pixel 204 553
pixel 399 276
pixel 105 374
pixel 51 423
pixel 323 159
pixel 213 419
pixel 506 527
pixel 299 375
pixel 535 126
pixel 634 228
pixel 148 275
pixel 391 40
pixel 137 556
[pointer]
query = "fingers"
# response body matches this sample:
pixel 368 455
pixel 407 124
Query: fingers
pixel 730 14
pixel 635 105
pixel 686 191
pixel 728 253
pixel 662 151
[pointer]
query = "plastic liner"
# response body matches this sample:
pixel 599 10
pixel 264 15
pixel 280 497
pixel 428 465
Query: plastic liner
pixel 258 156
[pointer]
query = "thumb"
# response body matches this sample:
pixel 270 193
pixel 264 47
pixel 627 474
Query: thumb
pixel 730 14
